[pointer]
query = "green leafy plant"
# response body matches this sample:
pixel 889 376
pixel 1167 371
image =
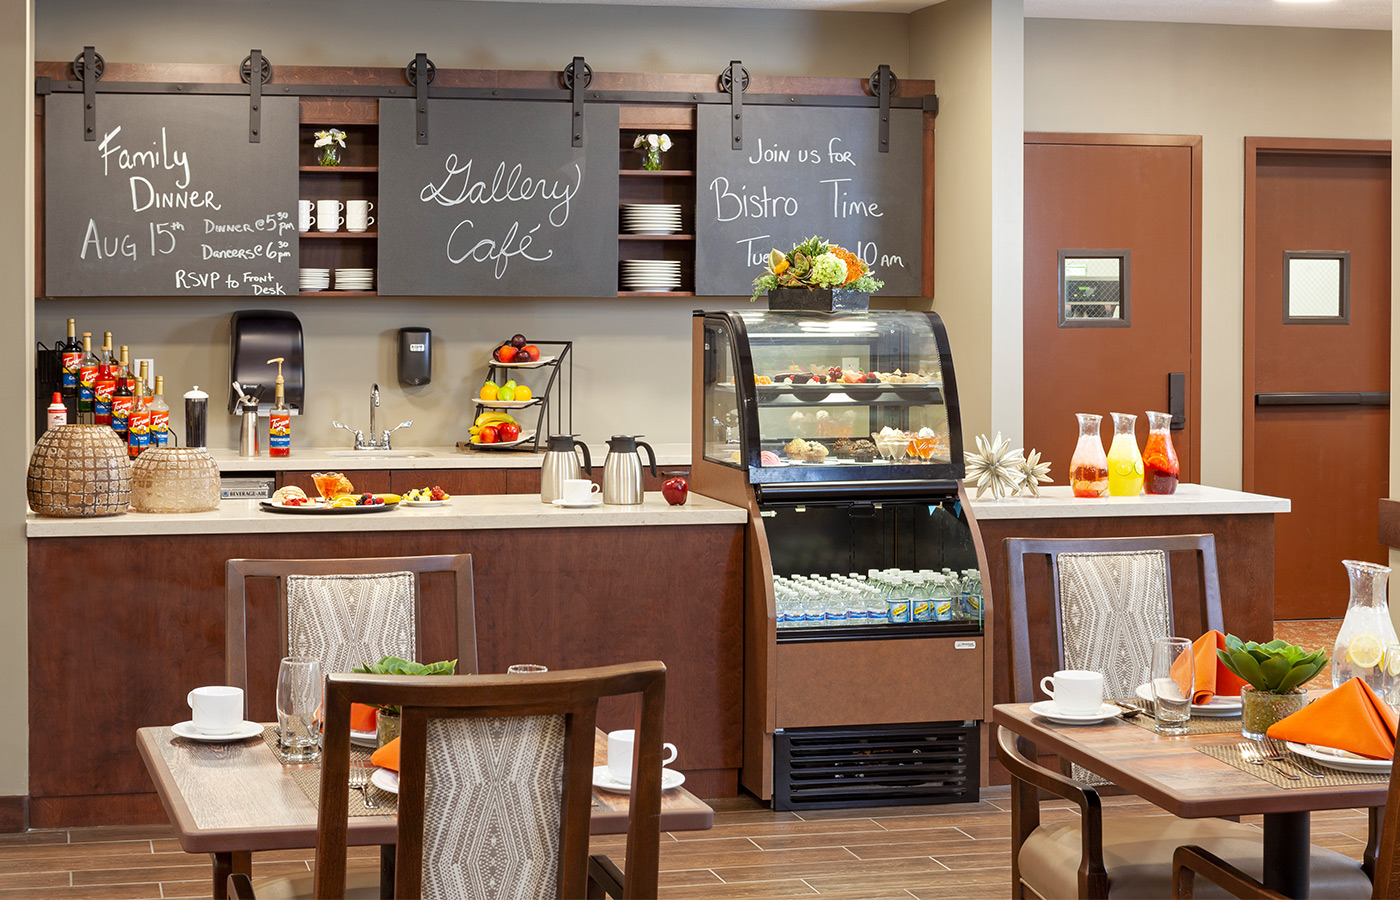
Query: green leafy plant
pixel 393 665
pixel 816 263
pixel 1277 667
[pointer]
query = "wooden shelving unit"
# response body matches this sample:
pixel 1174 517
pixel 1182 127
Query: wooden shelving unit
pixel 356 178
pixel 673 183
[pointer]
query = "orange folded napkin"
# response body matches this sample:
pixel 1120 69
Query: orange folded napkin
pixel 1213 677
pixel 387 757
pixel 1350 718
pixel 363 718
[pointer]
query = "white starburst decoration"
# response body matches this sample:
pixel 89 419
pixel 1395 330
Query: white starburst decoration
pixel 1034 473
pixel 995 467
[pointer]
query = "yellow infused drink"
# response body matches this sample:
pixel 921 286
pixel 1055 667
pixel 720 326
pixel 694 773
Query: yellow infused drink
pixel 1124 458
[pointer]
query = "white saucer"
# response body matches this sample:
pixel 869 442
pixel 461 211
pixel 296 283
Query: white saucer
pixel 385 779
pixel 365 739
pixel 587 505
pixel 602 778
pixel 1339 759
pixel 242 733
pixel 1218 706
pixel 1051 711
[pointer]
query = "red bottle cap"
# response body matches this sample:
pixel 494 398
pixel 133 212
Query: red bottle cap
pixel 57 398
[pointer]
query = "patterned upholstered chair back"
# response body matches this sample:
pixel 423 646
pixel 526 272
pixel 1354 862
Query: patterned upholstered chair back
pixel 1112 607
pixel 347 620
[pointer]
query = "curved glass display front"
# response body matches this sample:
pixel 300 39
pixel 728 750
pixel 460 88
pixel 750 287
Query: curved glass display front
pixel 832 396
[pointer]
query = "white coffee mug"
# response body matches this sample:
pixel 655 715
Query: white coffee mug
pixel 579 490
pixel 217 709
pixel 1075 691
pixel 328 217
pixel 304 218
pixel 357 217
pixel 620 754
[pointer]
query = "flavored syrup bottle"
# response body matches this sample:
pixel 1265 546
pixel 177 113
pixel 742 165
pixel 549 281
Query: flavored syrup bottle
pixel 106 384
pixel 122 397
pixel 1160 467
pixel 87 381
pixel 138 430
pixel 279 424
pixel 1124 460
pixel 160 416
pixel 1088 468
pixel 71 354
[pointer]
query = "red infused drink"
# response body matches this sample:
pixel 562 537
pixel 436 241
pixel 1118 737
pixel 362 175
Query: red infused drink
pixel 1160 467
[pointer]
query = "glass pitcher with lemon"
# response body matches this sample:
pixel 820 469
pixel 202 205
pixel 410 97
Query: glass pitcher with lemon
pixel 1366 631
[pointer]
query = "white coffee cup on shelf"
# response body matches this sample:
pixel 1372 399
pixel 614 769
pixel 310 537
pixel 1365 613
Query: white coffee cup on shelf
pixel 578 490
pixel 304 218
pixel 357 217
pixel 328 217
pixel 620 745
pixel 217 709
pixel 1075 691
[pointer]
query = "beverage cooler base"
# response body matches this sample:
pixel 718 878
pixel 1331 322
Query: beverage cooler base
pixel 876 765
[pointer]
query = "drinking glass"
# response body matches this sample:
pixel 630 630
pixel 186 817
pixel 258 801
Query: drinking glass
pixel 299 689
pixel 1173 684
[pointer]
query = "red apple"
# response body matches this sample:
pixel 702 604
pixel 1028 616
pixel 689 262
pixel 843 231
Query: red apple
pixel 488 434
pixel 508 431
pixel 675 490
pixel 505 353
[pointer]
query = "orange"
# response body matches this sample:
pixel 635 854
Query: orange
pixel 488 391
pixel 523 392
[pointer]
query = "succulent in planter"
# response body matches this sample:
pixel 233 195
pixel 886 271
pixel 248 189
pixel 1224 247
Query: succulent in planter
pixel 388 720
pixel 1275 673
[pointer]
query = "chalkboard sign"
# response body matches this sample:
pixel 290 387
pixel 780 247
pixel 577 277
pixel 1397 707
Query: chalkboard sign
pixel 171 198
pixel 498 202
pixel 803 172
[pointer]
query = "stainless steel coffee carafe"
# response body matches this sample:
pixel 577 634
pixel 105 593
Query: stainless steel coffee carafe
pixel 561 463
pixel 622 470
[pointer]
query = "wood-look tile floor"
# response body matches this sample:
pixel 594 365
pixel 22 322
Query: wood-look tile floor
pixel 923 852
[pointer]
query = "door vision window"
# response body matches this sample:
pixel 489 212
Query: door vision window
pixel 1094 289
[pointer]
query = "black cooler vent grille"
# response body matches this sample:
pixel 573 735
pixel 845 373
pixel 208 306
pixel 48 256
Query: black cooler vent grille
pixel 877 765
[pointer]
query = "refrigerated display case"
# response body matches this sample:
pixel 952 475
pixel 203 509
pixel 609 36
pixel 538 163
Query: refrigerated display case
pixel 867 671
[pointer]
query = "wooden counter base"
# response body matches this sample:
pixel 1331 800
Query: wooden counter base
pixel 120 629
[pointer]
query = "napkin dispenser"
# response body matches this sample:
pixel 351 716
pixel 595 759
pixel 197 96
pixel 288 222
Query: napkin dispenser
pixel 255 336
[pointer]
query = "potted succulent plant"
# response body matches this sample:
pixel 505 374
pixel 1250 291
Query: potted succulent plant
pixel 1276 673
pixel 389 723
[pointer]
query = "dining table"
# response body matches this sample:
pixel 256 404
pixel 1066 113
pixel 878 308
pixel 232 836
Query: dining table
pixel 233 799
pixel 1172 773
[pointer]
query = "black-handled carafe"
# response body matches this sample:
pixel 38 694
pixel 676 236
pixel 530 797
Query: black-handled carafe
pixel 560 464
pixel 622 470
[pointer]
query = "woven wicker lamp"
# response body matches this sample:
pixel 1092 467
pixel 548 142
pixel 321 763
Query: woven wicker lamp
pixel 175 480
pixel 79 471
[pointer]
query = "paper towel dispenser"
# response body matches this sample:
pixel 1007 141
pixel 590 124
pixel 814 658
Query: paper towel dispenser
pixel 255 336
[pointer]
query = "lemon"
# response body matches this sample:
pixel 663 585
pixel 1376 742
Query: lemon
pixel 1392 664
pixel 1365 650
pixel 523 392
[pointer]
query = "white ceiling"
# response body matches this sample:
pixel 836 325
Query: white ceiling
pixel 1367 14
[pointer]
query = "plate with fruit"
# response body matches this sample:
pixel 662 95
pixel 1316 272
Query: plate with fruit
pixel 340 504
pixel 518 352
pixel 494 427
pixel 433 496
pixel 505 396
pixel 498 444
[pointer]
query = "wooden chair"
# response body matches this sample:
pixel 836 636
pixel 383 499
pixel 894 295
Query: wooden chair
pixel 348 611
pixel 1092 580
pixel 488 756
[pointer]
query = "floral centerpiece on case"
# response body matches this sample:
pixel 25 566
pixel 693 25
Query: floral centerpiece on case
pixel 655 144
pixel 326 142
pixel 816 274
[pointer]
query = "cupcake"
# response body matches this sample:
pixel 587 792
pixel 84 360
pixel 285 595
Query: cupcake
pixel 863 451
pixel 843 448
pixel 796 448
pixel 816 452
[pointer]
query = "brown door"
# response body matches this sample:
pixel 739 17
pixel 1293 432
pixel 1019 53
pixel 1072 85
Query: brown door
pixel 1317 357
pixel 1112 287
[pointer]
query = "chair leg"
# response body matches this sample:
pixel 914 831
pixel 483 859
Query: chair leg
pixel 605 879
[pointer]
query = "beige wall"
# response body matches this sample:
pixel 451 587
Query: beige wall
pixel 1221 82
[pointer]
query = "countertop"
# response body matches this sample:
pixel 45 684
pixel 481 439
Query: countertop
pixel 316 459
pixel 464 512
pixel 1056 502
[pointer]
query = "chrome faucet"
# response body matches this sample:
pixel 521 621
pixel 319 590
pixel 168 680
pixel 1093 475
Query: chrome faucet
pixel 382 443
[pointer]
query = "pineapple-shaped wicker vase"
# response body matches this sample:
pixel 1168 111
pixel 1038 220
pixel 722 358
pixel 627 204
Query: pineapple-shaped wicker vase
pixel 175 480
pixel 79 471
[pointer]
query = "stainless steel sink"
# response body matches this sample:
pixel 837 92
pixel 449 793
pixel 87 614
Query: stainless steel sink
pixel 377 454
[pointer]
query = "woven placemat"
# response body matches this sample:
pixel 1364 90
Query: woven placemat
pixel 308 778
pixel 1197 725
pixel 1230 753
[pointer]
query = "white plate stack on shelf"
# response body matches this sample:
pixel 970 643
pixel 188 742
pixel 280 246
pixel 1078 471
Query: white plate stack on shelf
pixel 315 279
pixel 651 218
pixel 651 274
pixel 354 279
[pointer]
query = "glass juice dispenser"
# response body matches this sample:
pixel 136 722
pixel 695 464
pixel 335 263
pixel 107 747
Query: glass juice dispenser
pixel 866 667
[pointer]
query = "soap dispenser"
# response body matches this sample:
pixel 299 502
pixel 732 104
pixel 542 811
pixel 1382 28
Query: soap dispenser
pixel 279 425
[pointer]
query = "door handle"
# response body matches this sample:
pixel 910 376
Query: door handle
pixel 1323 398
pixel 1176 399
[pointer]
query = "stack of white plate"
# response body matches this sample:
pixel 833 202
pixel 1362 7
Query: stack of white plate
pixel 651 274
pixel 651 218
pixel 354 279
pixel 315 279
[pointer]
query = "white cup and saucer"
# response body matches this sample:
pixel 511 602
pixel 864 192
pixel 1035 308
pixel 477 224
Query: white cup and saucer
pixel 579 493
pixel 1076 698
pixel 617 774
pixel 217 716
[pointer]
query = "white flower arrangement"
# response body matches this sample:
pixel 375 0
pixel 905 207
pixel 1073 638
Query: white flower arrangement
pixel 326 138
pixel 652 145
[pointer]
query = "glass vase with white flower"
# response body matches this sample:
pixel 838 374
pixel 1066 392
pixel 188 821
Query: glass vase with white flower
pixel 326 142
pixel 652 146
